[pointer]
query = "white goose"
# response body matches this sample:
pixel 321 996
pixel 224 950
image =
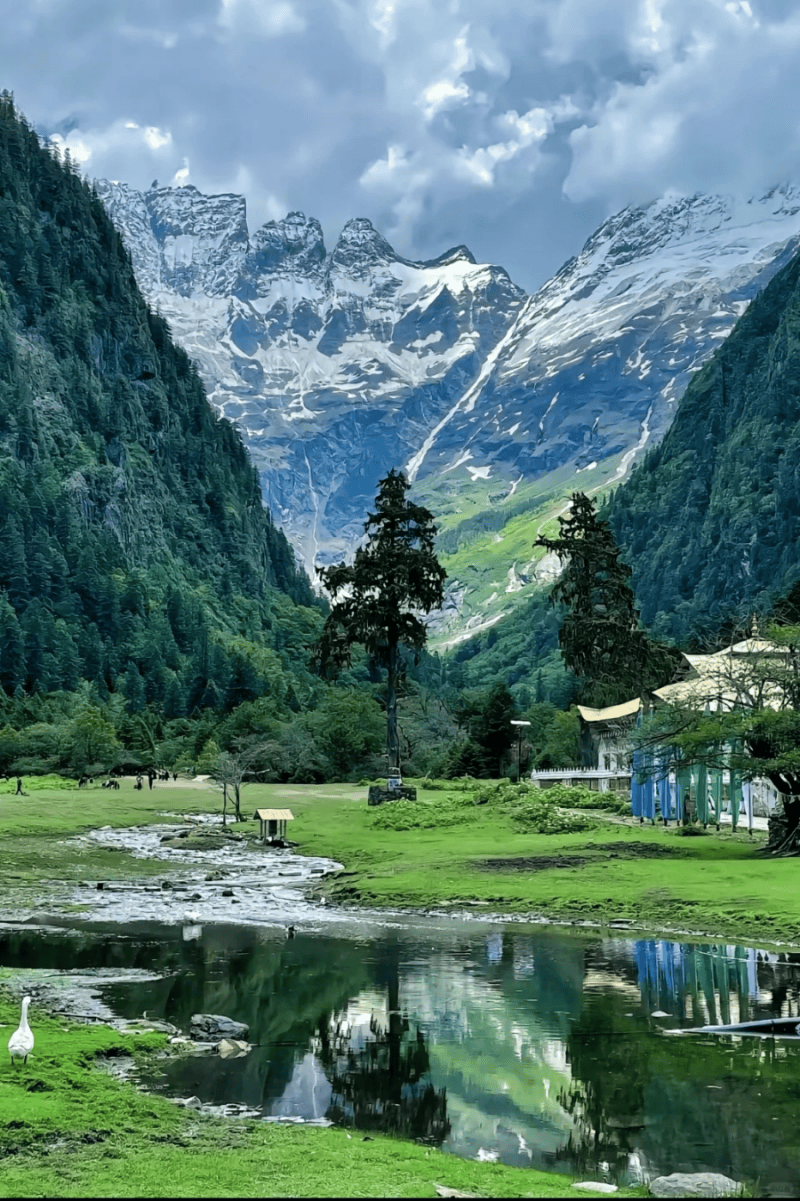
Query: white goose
pixel 20 1044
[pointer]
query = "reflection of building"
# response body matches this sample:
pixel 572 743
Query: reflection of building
pixel 698 983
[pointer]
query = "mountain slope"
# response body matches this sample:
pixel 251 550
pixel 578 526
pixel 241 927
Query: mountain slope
pixel 710 521
pixel 339 364
pixel 134 548
pixel 334 365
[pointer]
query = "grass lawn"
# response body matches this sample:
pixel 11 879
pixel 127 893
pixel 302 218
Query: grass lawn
pixel 714 884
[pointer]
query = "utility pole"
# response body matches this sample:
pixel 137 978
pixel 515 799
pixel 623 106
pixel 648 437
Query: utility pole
pixel 519 725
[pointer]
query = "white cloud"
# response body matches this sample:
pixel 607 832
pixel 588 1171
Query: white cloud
pixel 511 125
pixel 156 138
pixel 88 146
pixel 78 149
pixel 269 18
pixel 718 112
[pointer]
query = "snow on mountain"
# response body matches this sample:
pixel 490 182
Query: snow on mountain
pixel 603 351
pixel 334 365
pixel 339 365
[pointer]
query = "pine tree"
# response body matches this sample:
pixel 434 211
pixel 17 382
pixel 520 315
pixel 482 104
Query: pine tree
pixel 378 599
pixel 12 650
pixel 600 638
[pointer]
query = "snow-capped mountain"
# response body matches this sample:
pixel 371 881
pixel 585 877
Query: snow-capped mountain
pixel 338 365
pixel 335 365
pixel 595 361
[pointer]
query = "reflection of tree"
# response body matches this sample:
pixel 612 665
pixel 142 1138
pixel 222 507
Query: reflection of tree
pixel 608 1058
pixel 385 1084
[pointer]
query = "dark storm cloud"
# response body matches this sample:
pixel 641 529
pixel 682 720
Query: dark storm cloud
pixel 511 125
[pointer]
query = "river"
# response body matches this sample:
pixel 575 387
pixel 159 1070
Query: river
pixel 524 1044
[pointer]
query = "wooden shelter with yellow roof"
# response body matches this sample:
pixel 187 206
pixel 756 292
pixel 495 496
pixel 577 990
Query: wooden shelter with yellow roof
pixel 273 824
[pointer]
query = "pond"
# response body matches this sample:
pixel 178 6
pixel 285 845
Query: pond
pixel 523 1044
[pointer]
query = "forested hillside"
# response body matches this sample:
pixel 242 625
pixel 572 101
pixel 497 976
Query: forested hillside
pixel 710 521
pixel 138 567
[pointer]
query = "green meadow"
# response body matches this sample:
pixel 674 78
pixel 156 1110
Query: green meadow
pixel 487 528
pixel 463 855
pixel 69 1129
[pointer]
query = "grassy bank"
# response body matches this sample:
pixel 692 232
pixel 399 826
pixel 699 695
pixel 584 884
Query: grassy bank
pixel 68 1129
pixel 714 884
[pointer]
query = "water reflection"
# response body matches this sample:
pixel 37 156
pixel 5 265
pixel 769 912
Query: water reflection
pixel 523 1044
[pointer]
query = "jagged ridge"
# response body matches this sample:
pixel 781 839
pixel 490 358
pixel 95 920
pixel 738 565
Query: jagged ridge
pixel 337 365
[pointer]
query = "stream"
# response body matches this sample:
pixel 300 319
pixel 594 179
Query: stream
pixel 524 1044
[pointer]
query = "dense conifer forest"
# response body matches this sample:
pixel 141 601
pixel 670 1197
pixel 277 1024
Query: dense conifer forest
pixel 710 521
pixel 140 575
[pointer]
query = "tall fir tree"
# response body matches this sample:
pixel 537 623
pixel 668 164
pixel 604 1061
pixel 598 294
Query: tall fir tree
pixel 379 598
pixel 600 637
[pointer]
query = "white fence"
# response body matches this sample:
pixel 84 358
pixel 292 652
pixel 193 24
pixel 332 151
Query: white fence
pixel 597 778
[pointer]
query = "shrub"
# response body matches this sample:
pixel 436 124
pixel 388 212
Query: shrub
pixel 422 815
pixel 535 815
pixel 533 810
pixel 462 784
pixel 577 796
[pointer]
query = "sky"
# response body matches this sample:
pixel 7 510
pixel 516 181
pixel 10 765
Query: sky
pixel 512 126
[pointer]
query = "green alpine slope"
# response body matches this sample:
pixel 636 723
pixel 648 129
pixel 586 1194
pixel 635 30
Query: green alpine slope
pixel 710 521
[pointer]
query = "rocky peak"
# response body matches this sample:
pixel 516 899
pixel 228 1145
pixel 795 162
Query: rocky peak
pixel 176 211
pixel 360 247
pixel 296 243
pixel 185 241
pixel 456 254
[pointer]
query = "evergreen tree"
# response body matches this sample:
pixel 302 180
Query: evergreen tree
pixel 491 727
pixel 378 599
pixel 12 650
pixel 600 638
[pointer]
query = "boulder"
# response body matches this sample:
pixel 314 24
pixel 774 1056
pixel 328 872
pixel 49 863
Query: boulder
pixel 205 1026
pixel 233 1048
pixel 695 1184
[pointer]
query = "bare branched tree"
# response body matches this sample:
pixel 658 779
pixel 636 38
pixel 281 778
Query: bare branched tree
pixel 229 770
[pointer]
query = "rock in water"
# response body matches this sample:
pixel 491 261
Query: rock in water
pixel 695 1184
pixel 233 1048
pixel 214 1026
